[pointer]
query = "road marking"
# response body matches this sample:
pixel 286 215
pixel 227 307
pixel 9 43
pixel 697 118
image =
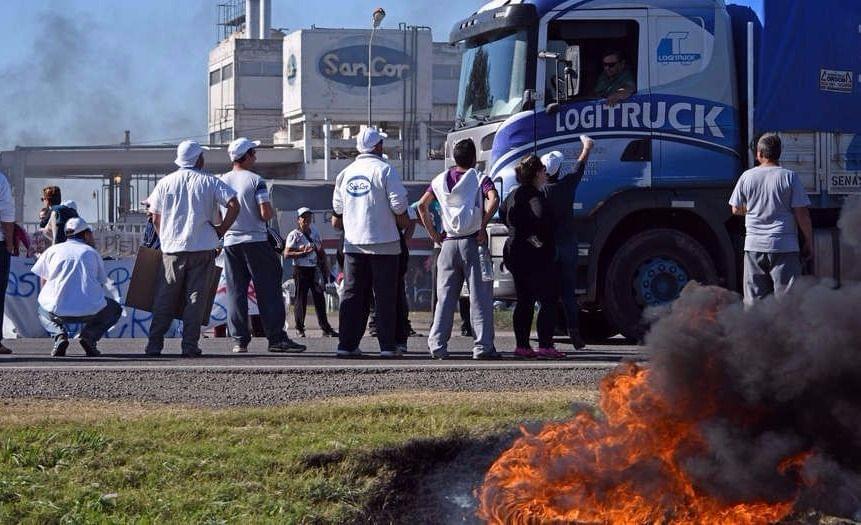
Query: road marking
pixel 287 368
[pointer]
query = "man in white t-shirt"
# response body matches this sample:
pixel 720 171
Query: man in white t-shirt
pixel 774 205
pixel 304 246
pixel 184 205
pixel 73 278
pixel 249 257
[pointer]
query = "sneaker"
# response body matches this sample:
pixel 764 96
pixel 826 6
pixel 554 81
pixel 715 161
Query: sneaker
pixel 389 354
pixel 402 348
pixel 466 332
pixel 577 341
pixel 239 349
pixel 4 350
pixel 301 333
pixel 487 354
pixel 90 348
pixel 287 345
pixel 330 333
pixel 549 353
pixel 60 345
pixel 440 355
pixel 413 333
pixel 525 353
pixel 191 352
pixel 347 354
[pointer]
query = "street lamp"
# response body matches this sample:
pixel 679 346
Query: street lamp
pixel 377 18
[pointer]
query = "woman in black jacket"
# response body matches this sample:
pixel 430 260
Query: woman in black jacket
pixel 529 254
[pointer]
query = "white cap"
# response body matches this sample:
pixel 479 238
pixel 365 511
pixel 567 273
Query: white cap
pixel 187 153
pixel 70 204
pixel 368 139
pixel 302 211
pixel 76 225
pixel 240 147
pixel 552 162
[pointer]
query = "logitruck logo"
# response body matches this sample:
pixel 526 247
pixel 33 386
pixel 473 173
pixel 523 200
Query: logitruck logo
pixel 670 49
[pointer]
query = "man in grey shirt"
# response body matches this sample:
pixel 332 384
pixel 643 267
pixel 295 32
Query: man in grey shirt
pixel 250 258
pixel 774 205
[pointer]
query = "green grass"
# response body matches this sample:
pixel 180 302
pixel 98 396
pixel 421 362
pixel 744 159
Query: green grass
pixel 326 462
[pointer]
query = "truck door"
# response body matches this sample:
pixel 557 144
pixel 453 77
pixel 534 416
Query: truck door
pixel 613 85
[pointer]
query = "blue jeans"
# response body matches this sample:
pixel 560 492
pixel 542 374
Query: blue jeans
pixel 95 326
pixel 258 262
pixel 566 267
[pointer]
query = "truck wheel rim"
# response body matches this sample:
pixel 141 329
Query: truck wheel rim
pixel 659 281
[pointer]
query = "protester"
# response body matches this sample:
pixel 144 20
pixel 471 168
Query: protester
pixel 370 204
pixel 468 200
pixel 250 258
pixel 53 223
pixel 774 204
pixel 559 192
pixel 150 235
pixel 305 247
pixel 7 235
pixel 529 254
pixel 184 205
pixel 20 238
pixel 73 278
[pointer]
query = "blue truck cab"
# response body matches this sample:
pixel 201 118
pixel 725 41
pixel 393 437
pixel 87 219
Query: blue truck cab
pixel 652 205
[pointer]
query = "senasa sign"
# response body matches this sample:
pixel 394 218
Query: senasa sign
pixel 349 65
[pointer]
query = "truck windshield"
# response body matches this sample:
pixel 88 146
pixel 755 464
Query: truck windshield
pixel 492 78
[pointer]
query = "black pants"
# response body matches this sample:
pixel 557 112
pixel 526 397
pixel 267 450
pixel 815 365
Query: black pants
pixel 402 327
pixel 5 264
pixel 463 308
pixel 304 277
pixel 535 280
pixel 367 276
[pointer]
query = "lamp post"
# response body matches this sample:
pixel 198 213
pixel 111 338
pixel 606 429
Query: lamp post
pixel 377 18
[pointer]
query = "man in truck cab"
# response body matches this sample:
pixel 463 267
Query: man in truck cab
pixel 774 205
pixel 616 82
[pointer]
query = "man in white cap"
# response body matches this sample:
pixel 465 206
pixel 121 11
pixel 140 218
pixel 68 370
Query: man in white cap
pixel 560 190
pixel 184 205
pixel 370 203
pixel 304 246
pixel 249 257
pixel 73 278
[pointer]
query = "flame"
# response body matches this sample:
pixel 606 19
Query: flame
pixel 624 468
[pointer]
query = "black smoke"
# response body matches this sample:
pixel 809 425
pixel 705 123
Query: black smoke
pixel 780 379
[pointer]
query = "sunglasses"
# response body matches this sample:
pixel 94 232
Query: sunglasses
pixel 608 65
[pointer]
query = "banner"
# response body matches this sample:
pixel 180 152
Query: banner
pixel 22 320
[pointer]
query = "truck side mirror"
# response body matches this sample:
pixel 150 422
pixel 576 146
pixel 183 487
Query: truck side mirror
pixel 572 71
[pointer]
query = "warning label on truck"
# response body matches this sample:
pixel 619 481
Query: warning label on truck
pixel 836 81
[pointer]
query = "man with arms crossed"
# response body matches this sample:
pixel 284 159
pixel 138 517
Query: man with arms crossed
pixel 774 205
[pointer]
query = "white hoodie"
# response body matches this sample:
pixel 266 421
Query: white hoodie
pixel 368 194
pixel 461 208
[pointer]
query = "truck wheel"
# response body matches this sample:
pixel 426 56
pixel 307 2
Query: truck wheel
pixel 651 269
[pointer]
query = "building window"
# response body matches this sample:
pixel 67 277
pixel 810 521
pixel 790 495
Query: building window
pixel 227 72
pixel 214 77
pixel 226 135
pixel 260 69
pixel 213 138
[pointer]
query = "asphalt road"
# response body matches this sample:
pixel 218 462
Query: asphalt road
pixel 220 378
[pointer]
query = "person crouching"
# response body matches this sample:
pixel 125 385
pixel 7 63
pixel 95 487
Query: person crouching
pixel 73 275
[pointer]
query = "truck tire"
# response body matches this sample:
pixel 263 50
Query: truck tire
pixel 650 269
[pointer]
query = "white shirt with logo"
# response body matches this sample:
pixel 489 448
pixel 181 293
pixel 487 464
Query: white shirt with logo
pixel 296 240
pixel 368 194
pixel 7 204
pixel 74 277
pixel 188 202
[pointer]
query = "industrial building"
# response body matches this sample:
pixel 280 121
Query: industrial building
pixel 308 90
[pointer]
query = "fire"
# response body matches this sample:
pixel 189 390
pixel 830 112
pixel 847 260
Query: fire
pixel 625 468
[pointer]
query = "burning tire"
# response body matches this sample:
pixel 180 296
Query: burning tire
pixel 649 270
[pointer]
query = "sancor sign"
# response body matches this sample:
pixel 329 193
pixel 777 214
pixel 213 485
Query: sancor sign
pixel 349 65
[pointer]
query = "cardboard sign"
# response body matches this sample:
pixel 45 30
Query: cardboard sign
pixel 149 271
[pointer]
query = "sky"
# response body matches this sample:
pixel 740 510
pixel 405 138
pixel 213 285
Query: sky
pixel 80 72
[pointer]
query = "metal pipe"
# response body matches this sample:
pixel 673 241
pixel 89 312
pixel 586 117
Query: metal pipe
pixel 327 130
pixel 265 18
pixel 252 19
pixel 370 72
pixel 750 94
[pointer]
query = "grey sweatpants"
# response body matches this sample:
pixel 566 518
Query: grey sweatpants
pixel 769 273
pixel 458 260
pixel 186 280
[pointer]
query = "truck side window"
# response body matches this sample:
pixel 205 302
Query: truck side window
pixel 608 57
